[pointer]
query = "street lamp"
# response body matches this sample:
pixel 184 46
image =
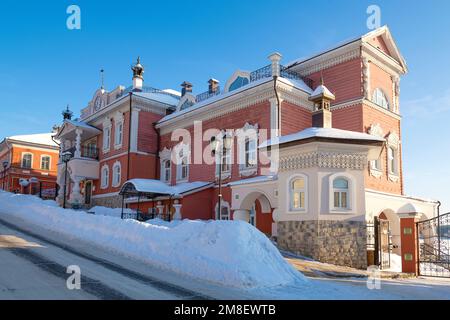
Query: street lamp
pixel 5 166
pixel 65 157
pixel 218 147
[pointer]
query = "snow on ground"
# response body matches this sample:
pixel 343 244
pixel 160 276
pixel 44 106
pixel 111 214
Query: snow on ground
pixel 109 212
pixel 230 253
pixel 396 263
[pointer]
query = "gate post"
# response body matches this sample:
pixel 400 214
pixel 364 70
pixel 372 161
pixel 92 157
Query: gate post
pixel 408 236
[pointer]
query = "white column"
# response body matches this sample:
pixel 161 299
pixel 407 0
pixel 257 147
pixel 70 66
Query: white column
pixel 177 207
pixel 275 116
pixel 78 143
pixel 75 196
pixel 242 215
pixel 159 207
pixel 134 129
pixel 275 59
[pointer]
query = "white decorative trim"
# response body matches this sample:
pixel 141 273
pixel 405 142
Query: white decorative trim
pixel 134 129
pixel 351 201
pixel 106 126
pixel 376 130
pixel 165 155
pixel 115 165
pixel 393 140
pixel 118 120
pixel 49 163
pixel 376 173
pixel 225 204
pixel 366 77
pixel 234 76
pixel 187 97
pixel 177 160
pixel 289 194
pixel 321 159
pixel 102 177
pixel 21 160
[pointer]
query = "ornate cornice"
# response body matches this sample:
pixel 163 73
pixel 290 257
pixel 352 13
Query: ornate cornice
pixel 321 159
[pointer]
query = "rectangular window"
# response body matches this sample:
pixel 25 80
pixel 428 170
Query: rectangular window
pixel 106 138
pixel 299 200
pixel 119 133
pixel 340 199
pixel 45 163
pixel 26 161
pixel 226 160
pixel 250 153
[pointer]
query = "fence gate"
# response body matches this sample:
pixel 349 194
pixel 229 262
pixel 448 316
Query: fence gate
pixel 383 246
pixel 434 246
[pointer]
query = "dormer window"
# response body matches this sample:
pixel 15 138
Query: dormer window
pixel 380 98
pixel 239 82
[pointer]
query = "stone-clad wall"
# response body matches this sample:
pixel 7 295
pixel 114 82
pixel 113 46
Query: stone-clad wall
pixel 111 202
pixel 337 242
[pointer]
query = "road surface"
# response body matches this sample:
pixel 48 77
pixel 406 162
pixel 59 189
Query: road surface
pixel 33 265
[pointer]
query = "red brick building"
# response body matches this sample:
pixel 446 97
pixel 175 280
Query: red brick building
pixel 28 164
pixel 314 157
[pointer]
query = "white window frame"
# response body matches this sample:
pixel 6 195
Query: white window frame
pixel 393 165
pixel 104 182
pixel 351 196
pixel 31 160
pixel 380 98
pixel 49 162
pixel 247 133
pixel 291 191
pixel 166 172
pixel 164 156
pixel 118 135
pixel 106 135
pixel 116 182
pixel 182 161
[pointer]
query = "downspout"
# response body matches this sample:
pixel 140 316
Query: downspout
pixel 158 145
pixel 129 138
pixel 275 79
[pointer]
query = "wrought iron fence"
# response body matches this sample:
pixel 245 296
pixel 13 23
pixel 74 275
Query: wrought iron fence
pixel 150 90
pixel 264 72
pixel 86 152
pixel 206 95
pixel 434 246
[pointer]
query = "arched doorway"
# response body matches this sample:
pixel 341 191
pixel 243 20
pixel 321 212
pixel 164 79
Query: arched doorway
pixel 260 211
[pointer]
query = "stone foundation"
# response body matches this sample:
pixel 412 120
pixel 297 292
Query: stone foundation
pixel 110 202
pixel 338 242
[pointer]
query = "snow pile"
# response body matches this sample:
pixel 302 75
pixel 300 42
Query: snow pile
pixel 230 253
pixel 109 212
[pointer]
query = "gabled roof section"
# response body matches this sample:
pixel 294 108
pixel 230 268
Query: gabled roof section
pixel 382 35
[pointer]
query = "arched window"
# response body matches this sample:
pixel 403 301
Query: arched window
pixel 341 193
pixel 183 166
pixel 379 98
pixel 166 172
pixel 27 160
pixel 45 162
pixel 239 82
pixel 105 177
pixel 117 172
pixel 298 194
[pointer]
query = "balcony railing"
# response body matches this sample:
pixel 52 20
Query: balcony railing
pixel 206 95
pixel 86 152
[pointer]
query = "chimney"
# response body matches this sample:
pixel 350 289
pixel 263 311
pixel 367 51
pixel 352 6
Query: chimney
pixel 138 75
pixel 322 98
pixel 213 86
pixel 186 88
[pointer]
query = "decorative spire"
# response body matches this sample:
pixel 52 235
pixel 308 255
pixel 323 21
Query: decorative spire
pixel 67 114
pixel 102 79
pixel 138 69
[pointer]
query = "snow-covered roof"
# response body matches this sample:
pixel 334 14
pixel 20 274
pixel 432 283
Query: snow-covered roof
pixel 80 124
pixel 321 90
pixel 330 133
pixel 299 84
pixel 257 179
pixel 158 187
pixel 40 138
pixel 168 98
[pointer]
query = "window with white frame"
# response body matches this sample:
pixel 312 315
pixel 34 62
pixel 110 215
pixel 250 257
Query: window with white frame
pixel 106 138
pixel 379 98
pixel 105 177
pixel 27 160
pixel 183 165
pixel 225 161
pixel 297 193
pixel 376 164
pixel 250 152
pixel 392 161
pixel 117 174
pixel 341 191
pixel 118 135
pixel 166 170
pixel 45 162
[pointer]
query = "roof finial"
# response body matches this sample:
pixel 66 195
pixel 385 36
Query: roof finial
pixel 67 114
pixel 102 78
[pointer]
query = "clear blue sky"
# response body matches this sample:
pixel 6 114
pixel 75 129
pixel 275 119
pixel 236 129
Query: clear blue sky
pixel 44 66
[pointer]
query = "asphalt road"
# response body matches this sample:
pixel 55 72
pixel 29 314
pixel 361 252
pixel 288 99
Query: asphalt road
pixel 33 266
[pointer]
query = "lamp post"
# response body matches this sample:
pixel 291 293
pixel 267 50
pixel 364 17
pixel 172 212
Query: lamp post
pixel 218 148
pixel 5 166
pixel 65 157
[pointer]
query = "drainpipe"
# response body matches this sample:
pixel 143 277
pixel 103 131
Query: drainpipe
pixel 158 145
pixel 275 79
pixel 129 137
